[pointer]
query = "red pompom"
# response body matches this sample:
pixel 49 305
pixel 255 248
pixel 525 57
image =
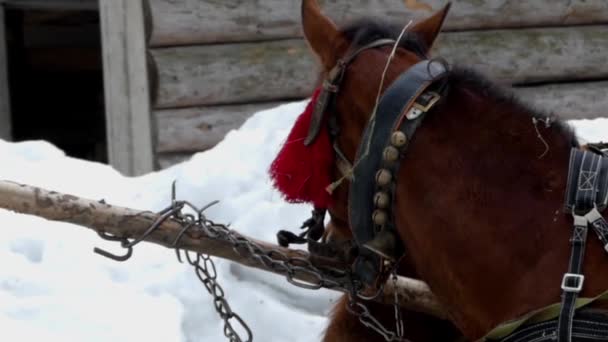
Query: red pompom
pixel 302 173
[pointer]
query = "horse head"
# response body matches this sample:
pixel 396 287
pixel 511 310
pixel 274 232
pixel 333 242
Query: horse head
pixel 358 90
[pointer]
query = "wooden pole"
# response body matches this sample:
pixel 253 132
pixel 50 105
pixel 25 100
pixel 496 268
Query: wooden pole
pixel 129 223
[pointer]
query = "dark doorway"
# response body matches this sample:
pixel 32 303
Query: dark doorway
pixel 56 79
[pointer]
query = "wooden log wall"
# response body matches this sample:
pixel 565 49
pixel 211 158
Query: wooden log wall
pixel 217 62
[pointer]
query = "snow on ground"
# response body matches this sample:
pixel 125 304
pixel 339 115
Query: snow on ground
pixel 52 287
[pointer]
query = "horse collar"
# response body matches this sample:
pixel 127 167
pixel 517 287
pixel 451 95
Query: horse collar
pixel 401 111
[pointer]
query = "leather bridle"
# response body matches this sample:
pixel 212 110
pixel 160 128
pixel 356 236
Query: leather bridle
pixel 400 112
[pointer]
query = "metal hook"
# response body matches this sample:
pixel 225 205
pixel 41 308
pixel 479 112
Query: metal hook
pixel 124 243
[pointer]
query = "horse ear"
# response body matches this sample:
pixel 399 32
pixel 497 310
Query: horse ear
pixel 321 33
pixel 429 28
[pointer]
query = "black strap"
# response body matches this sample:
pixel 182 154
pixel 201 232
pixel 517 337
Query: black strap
pixel 585 191
pixel 313 229
pixel 331 86
pixel 396 103
pixel 396 100
pixel 572 282
pixel 600 226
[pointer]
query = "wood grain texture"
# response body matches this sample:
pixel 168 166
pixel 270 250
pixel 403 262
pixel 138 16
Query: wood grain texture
pixel 181 132
pixel 5 105
pixel 188 22
pixel 570 101
pixel 236 73
pixel 201 128
pixel 126 86
pixel 284 69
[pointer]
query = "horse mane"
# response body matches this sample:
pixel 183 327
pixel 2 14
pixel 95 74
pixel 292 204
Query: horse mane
pixel 467 78
pixel 368 30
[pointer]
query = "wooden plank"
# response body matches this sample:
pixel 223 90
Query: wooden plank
pixel 224 74
pixel 199 129
pixel 277 70
pixel 5 105
pixel 126 82
pixel 183 131
pixel 189 22
pixel 52 4
pixel 570 101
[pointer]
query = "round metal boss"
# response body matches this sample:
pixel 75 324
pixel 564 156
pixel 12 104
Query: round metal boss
pixel 382 200
pixel 391 154
pixel 384 177
pixel 380 217
pixel 399 139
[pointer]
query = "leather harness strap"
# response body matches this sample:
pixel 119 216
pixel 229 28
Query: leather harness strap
pixel 401 111
pixel 315 225
pixel 331 86
pixel 585 197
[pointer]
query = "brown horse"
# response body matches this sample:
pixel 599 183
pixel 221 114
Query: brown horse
pixel 479 195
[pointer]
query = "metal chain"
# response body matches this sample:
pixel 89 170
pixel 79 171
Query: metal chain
pixel 368 320
pixel 294 268
pixel 206 272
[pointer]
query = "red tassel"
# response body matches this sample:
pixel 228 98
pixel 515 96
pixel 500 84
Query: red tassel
pixel 302 173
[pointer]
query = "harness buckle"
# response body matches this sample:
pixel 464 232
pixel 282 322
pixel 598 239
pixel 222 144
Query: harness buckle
pixel 423 104
pixel 428 99
pixel 578 280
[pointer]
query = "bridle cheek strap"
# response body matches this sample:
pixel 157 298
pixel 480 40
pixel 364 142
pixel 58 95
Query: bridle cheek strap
pixel 331 87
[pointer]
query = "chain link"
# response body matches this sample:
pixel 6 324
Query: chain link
pixel 294 268
pixel 366 318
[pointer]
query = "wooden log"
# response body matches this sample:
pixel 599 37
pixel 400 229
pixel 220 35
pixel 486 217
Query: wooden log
pixel 570 101
pixel 130 223
pixel 201 128
pixel 224 74
pixel 182 132
pixel 278 70
pixel 189 22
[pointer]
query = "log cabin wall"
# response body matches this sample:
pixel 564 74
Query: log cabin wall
pixel 213 63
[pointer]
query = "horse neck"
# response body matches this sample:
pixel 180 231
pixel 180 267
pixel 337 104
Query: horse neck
pixel 478 208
